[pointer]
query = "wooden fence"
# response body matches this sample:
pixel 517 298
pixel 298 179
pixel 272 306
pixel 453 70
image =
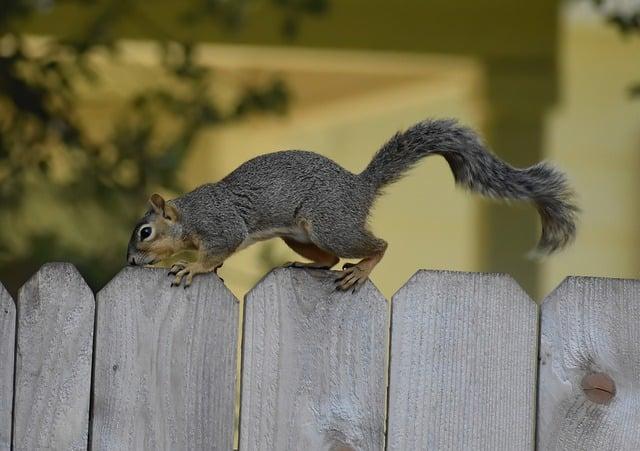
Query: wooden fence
pixel 457 361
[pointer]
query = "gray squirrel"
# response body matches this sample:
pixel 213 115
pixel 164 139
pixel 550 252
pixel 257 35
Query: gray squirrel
pixel 320 209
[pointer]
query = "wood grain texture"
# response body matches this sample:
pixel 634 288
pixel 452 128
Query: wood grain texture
pixel 463 364
pixel 7 342
pixel 313 365
pixel 53 360
pixel 590 325
pixel 165 364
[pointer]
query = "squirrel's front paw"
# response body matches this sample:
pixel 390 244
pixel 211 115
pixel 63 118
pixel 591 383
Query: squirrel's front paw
pixel 186 272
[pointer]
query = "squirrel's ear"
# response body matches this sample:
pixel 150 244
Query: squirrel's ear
pixel 171 213
pixel 167 211
pixel 157 203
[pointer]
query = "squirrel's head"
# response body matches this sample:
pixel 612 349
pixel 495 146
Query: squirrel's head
pixel 158 235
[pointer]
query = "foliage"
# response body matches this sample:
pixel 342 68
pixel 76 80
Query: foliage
pixel 625 16
pixel 626 19
pixel 41 125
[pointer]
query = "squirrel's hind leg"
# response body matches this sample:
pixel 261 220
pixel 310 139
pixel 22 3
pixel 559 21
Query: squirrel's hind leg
pixel 320 259
pixel 347 239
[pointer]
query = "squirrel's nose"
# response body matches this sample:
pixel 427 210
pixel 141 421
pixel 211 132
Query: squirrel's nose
pixel 132 261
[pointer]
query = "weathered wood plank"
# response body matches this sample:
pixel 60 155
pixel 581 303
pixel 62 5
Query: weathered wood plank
pixel 590 325
pixel 53 360
pixel 313 365
pixel 7 342
pixel 165 364
pixel 463 364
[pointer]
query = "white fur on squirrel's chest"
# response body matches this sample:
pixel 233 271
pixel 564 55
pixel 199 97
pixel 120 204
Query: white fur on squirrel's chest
pixel 296 233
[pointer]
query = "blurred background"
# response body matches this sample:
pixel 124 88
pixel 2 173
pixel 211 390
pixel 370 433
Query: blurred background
pixel 104 102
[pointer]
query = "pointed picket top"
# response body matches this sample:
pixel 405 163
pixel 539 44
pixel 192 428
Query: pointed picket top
pixel 53 360
pixel 7 342
pixel 165 363
pixel 590 365
pixel 314 364
pixel 463 363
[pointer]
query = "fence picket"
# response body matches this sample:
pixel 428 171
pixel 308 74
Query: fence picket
pixel 53 360
pixel 590 326
pixel 313 364
pixel 7 342
pixel 462 370
pixel 463 363
pixel 165 364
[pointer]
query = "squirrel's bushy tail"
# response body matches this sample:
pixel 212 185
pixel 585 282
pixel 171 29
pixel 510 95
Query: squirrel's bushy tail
pixel 477 169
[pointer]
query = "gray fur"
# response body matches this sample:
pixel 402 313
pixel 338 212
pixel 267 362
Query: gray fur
pixel 281 190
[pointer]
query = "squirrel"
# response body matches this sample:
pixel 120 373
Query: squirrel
pixel 320 209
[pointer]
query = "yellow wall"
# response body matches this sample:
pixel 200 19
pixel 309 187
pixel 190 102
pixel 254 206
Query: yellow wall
pixel 595 134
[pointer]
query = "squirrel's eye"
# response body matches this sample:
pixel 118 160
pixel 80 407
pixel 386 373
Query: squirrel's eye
pixel 145 233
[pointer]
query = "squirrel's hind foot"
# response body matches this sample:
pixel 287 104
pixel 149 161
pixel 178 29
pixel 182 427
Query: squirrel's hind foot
pixel 353 276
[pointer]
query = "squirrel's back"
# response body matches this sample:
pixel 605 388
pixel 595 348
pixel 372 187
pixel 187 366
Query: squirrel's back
pixel 280 186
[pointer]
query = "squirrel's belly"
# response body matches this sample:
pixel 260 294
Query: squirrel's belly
pixel 296 233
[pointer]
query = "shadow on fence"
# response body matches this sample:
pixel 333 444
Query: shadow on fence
pixel 147 366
